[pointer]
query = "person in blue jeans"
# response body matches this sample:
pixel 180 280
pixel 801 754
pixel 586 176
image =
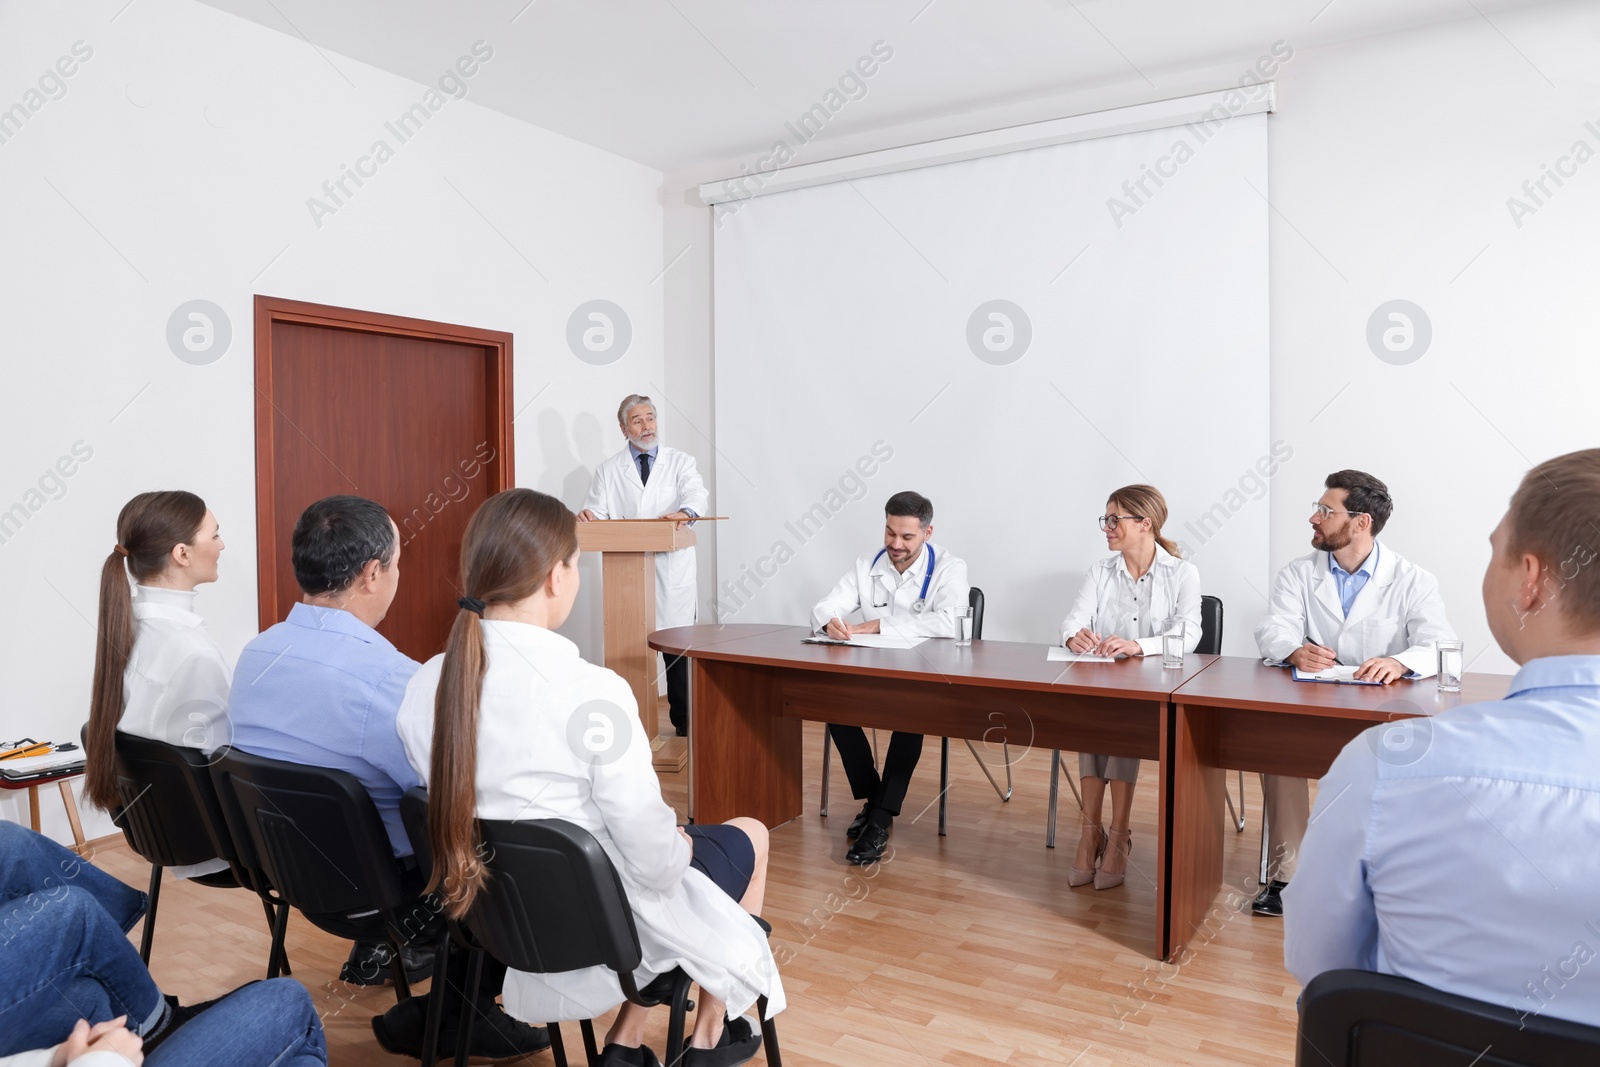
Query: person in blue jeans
pixel 65 957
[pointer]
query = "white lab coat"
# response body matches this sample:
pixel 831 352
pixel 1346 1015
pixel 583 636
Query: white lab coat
pixel 530 767
pixel 1398 614
pixel 878 591
pixel 175 688
pixel 618 493
pixel 1108 602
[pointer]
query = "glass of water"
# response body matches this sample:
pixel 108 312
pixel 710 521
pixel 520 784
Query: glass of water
pixel 963 627
pixel 1450 666
pixel 1172 647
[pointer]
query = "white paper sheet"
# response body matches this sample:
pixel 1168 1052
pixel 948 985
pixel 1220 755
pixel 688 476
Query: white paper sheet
pixel 1057 653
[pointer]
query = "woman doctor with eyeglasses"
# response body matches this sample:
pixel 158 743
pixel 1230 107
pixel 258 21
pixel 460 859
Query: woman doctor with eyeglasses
pixel 1126 603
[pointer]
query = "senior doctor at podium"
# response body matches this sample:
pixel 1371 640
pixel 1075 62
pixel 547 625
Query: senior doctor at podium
pixel 647 480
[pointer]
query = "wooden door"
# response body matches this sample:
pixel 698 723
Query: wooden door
pixel 415 415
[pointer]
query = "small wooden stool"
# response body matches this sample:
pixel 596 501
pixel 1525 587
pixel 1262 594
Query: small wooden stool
pixel 64 781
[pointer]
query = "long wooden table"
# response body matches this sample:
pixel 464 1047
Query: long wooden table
pixel 753 685
pixel 1240 715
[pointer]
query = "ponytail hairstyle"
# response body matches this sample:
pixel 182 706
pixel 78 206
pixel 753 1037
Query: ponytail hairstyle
pixel 1146 502
pixel 511 545
pixel 150 526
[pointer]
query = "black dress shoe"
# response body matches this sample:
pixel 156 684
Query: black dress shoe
pixel 369 964
pixel 495 1035
pixel 739 1042
pixel 859 823
pixel 1270 900
pixel 869 846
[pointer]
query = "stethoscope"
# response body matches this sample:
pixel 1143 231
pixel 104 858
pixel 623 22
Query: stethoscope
pixel 922 601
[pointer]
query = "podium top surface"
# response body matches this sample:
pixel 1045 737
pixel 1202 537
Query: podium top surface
pixel 633 535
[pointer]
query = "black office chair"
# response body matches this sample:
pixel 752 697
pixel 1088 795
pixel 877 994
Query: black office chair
pixel 1210 645
pixel 314 836
pixel 975 602
pixel 168 812
pixel 554 903
pixel 1363 1019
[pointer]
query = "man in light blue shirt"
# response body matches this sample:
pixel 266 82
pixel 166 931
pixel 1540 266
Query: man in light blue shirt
pixel 1464 857
pixel 323 689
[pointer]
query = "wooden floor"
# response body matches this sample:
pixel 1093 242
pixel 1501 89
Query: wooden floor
pixel 967 949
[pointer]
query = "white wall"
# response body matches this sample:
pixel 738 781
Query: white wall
pixel 177 166
pixel 1391 163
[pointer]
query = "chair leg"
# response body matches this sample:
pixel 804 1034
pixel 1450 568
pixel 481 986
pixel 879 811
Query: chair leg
pixel 280 928
pixel 558 1048
pixel 827 767
pixel 469 1010
pixel 1055 790
pixel 272 924
pixel 1265 873
pixel 590 1049
pixel 944 781
pixel 769 1035
pixel 1004 794
pixel 147 938
pixel 436 994
pixel 397 970
pixel 1237 815
pixel 675 1026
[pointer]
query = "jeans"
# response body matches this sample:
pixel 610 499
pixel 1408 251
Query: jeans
pixel 264 1024
pixel 65 959
pixel 32 863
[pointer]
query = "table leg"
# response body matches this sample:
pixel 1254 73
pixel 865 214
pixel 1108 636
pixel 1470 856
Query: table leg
pixel 1194 815
pixel 746 755
pixel 33 807
pixel 72 815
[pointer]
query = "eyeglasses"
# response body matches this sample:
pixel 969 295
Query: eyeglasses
pixel 1322 511
pixel 1109 522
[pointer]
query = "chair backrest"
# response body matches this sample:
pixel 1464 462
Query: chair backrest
pixel 313 832
pixel 553 901
pixel 1210 626
pixel 168 808
pixel 975 601
pixel 1363 1019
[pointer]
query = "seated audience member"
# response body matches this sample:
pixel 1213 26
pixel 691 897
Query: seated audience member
pixel 71 981
pixel 488 724
pixel 1126 603
pixel 1354 601
pixel 1463 857
pixel 322 689
pixel 157 673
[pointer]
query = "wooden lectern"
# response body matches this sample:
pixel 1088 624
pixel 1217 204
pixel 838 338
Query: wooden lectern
pixel 628 574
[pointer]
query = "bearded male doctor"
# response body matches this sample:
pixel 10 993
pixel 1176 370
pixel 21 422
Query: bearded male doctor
pixel 1354 601
pixel 910 587
pixel 647 480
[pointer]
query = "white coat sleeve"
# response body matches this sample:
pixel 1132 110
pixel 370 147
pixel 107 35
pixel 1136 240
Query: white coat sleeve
pixel 1329 919
pixel 1283 628
pixel 628 793
pixel 596 501
pixel 1185 608
pixel 1426 626
pixel 1084 606
pixel 844 599
pixel 692 492
pixel 45 1056
pixel 938 617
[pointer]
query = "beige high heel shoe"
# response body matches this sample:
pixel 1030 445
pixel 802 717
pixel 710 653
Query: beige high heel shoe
pixel 1102 880
pixel 1077 876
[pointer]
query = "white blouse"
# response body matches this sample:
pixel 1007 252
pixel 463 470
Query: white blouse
pixel 176 686
pixel 1110 601
pixel 559 738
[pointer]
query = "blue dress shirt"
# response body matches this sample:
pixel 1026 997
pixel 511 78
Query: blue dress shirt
pixel 1459 850
pixel 1351 584
pixel 322 688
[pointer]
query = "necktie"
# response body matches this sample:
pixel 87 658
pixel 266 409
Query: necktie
pixel 644 467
